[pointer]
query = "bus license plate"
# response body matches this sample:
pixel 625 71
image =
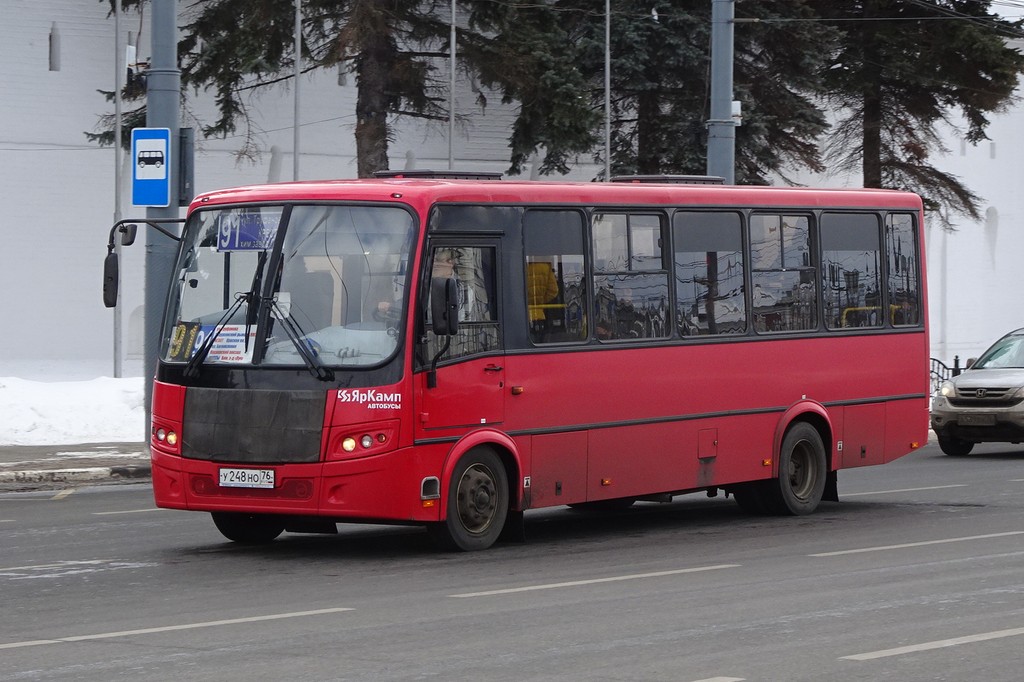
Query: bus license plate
pixel 247 478
pixel 977 420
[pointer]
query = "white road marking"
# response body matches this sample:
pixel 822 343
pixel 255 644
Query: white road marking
pixel 63 493
pixel 906 490
pixel 721 679
pixel 938 644
pixel 64 569
pixel 127 511
pixel 171 628
pixel 59 564
pixel 883 548
pixel 594 581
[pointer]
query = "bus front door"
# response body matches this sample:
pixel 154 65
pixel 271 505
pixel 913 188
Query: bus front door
pixel 469 382
pixel 465 394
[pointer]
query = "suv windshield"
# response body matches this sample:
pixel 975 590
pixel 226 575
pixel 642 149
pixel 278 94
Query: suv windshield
pixel 333 296
pixel 1006 352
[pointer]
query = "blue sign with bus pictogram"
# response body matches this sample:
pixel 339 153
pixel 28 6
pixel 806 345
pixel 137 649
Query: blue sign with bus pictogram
pixel 151 167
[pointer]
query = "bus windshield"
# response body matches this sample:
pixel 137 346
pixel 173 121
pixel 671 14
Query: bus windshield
pixel 333 296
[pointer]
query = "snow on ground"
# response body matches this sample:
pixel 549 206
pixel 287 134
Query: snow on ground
pixel 58 406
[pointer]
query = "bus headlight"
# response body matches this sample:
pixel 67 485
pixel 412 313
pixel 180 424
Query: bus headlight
pixel 165 437
pixel 362 440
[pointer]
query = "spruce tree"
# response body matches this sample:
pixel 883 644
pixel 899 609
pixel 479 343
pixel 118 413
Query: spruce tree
pixel 902 73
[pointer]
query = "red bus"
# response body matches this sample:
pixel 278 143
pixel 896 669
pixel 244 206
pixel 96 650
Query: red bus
pixel 454 352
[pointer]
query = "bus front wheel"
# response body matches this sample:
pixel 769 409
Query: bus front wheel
pixel 247 529
pixel 478 502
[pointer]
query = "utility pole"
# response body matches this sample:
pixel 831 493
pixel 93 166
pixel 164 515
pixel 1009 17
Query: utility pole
pixel 298 75
pixel 119 71
pixel 451 92
pixel 163 100
pixel 721 126
pixel 607 91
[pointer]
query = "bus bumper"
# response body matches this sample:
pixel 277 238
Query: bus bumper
pixel 341 490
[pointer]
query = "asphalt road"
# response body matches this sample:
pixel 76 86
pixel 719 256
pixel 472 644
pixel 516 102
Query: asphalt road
pixel 914 575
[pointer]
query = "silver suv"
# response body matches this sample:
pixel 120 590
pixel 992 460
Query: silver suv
pixel 985 404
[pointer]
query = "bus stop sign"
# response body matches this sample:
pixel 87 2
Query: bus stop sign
pixel 151 173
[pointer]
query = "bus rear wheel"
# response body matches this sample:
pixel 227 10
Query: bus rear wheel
pixel 751 497
pixel 478 502
pixel 803 471
pixel 248 529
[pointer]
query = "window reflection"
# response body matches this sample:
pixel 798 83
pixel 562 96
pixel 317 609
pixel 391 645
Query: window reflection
pixel 709 273
pixel 850 270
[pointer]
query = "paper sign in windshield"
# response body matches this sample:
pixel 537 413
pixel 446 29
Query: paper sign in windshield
pixel 229 346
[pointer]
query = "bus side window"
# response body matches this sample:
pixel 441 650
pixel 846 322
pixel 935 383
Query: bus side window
pixel 630 278
pixel 850 268
pixel 784 284
pixel 903 279
pixel 709 271
pixel 555 286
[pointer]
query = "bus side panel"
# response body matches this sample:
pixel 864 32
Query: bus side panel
pixel 863 435
pixel 656 458
pixel 904 430
pixel 559 469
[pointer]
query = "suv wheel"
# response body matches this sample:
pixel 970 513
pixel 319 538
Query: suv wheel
pixel 955 447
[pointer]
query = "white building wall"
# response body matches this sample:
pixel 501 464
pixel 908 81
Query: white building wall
pixel 974 270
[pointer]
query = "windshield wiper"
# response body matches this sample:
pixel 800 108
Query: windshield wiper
pixel 192 368
pixel 295 334
pixel 252 311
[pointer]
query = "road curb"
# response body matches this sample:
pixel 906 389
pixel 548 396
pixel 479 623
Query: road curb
pixel 77 475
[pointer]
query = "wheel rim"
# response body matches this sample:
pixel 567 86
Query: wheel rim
pixel 477 499
pixel 802 470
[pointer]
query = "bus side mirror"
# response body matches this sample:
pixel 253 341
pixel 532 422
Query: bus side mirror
pixel 110 272
pixel 128 233
pixel 444 306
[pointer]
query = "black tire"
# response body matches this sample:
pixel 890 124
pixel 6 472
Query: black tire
pixel 248 529
pixel 803 471
pixel 478 502
pixel 954 447
pixel 751 498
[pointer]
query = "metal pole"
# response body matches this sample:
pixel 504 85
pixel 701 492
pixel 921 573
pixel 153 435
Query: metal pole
pixel 721 127
pixel 607 91
pixel 451 94
pixel 119 69
pixel 163 99
pixel 298 72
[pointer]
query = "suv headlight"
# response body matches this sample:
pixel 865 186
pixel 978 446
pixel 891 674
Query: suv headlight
pixel 947 390
pixel 1018 394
